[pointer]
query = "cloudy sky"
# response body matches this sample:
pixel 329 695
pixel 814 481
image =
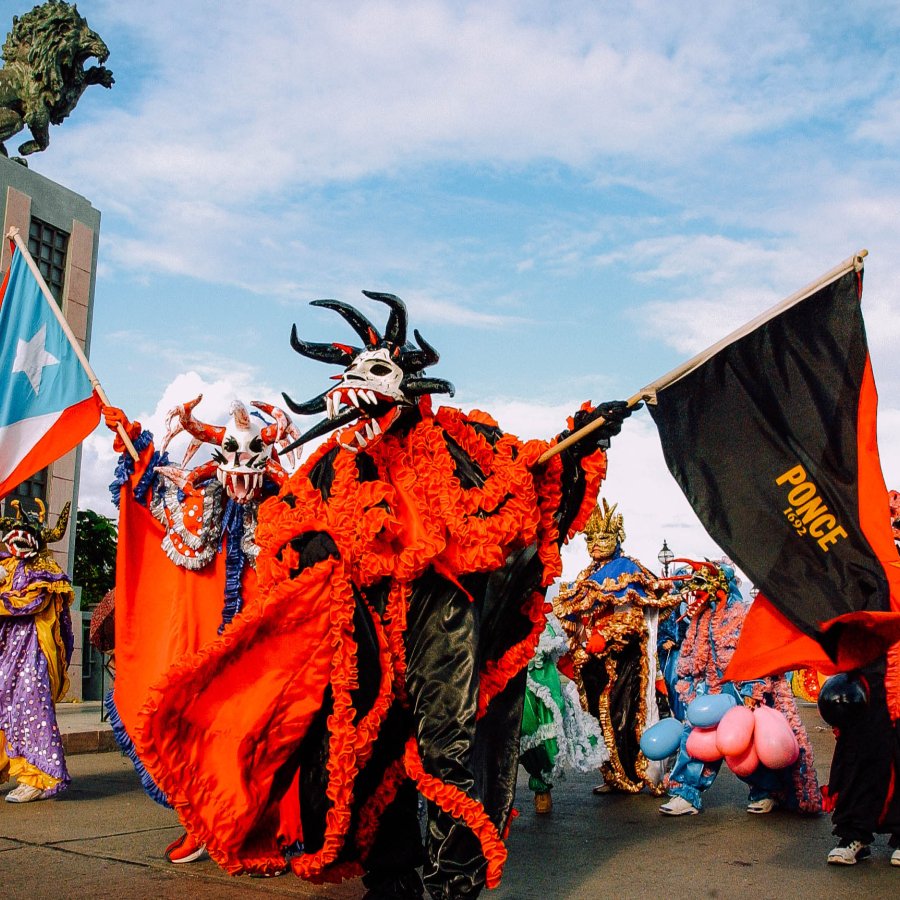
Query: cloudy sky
pixel 572 198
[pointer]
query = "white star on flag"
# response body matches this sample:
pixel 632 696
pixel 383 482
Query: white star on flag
pixel 32 358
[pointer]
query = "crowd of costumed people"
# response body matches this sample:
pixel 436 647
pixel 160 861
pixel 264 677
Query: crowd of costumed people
pixel 338 671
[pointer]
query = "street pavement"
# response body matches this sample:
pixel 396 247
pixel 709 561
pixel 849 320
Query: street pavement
pixel 104 839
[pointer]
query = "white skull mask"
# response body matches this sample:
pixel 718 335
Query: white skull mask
pixel 374 376
pixel 242 457
pixel 371 384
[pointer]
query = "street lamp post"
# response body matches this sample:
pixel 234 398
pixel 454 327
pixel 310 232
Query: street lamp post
pixel 665 556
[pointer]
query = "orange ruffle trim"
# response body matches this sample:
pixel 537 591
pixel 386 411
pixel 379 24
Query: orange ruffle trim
pixel 414 516
pixel 461 806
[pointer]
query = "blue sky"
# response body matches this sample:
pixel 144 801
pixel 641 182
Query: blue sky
pixel 571 197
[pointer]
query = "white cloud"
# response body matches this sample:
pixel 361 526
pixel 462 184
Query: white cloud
pixel 250 106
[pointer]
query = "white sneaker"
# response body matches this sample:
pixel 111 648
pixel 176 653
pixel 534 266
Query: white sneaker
pixel 895 858
pixel 761 807
pixel 848 853
pixel 24 793
pixel 678 806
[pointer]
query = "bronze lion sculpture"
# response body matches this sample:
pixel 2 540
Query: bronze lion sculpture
pixel 43 75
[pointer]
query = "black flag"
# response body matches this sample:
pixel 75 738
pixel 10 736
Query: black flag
pixel 772 439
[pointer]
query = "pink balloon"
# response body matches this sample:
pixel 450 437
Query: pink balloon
pixel 734 733
pixel 775 743
pixel 743 764
pixel 701 744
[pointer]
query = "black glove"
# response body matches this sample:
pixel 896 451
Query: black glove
pixel 614 413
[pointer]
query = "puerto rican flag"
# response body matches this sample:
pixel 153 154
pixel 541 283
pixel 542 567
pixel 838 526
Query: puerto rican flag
pixel 47 402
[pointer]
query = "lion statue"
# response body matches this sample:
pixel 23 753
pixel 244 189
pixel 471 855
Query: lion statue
pixel 43 76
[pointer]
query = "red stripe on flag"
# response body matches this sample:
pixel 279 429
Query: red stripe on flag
pixel 5 283
pixel 72 427
pixel 771 645
pixel 874 502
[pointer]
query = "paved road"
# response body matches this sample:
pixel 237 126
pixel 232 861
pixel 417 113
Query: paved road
pixel 104 838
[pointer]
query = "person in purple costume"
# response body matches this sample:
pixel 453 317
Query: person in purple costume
pixel 35 648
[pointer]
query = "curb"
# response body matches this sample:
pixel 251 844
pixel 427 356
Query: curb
pixel 95 741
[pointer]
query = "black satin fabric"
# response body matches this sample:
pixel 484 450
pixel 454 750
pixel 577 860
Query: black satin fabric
pixel 624 699
pixel 451 633
pixel 865 770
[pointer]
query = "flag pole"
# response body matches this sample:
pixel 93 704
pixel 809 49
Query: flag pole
pixel 14 235
pixel 648 394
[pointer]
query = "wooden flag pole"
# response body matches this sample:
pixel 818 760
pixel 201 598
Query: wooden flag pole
pixel 14 235
pixel 648 394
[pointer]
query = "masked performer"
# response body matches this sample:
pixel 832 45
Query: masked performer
pixel 557 734
pixel 402 573
pixel 187 552
pixel 670 636
pixel 864 784
pixel 716 611
pixel 35 648
pixel 610 613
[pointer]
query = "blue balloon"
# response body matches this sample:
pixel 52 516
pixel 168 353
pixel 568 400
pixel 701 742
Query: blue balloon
pixel 662 739
pixel 707 710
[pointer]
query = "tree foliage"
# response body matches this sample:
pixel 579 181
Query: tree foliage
pixel 95 556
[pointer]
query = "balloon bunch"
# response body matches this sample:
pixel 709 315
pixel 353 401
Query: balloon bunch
pixel 722 729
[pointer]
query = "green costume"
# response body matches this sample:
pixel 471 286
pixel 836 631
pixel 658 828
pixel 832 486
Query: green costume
pixel 556 732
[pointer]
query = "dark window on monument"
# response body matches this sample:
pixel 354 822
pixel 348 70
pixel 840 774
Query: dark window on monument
pixel 26 492
pixel 47 245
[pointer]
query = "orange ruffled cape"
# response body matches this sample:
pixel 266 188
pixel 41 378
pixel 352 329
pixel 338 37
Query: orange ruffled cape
pixel 223 725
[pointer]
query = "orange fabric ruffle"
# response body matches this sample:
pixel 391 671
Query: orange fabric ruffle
pixel 461 806
pixel 216 734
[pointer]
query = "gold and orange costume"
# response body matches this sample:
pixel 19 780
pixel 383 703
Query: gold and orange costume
pixel 610 615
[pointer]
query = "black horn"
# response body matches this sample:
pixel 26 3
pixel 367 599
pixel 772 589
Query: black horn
pixel 415 387
pixel 420 359
pixel 328 353
pixel 395 332
pixel 360 324
pixel 316 405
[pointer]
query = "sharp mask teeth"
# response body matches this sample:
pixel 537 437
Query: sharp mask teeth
pixel 370 432
pixel 376 428
pixel 351 394
pixel 329 406
pixel 370 396
pixel 360 439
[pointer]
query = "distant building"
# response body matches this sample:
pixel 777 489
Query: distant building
pixel 63 232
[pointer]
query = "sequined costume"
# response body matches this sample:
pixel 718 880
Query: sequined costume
pixel 610 614
pixel 402 572
pixel 35 648
pixel 670 636
pixel 716 612
pixel 557 734
pixel 805 683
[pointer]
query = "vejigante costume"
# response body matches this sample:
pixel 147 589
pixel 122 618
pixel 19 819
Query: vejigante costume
pixel 401 575
pixel 610 614
pixel 187 551
pixel 36 644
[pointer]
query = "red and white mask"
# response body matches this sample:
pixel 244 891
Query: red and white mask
pixel 242 456
pixel 244 448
